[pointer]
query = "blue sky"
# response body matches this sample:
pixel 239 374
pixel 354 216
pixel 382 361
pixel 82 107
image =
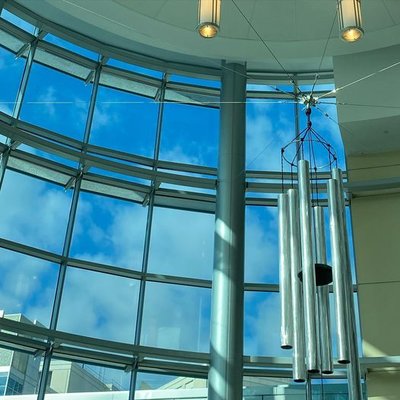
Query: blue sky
pixel 111 231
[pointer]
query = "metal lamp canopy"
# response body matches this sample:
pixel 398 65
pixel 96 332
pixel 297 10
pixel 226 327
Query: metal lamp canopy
pixel 350 23
pixel 209 18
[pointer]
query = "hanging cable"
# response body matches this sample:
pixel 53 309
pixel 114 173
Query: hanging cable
pixel 359 105
pixel 323 54
pixel 361 79
pixel 291 77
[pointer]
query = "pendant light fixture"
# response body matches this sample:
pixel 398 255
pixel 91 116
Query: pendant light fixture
pixel 350 24
pixel 209 18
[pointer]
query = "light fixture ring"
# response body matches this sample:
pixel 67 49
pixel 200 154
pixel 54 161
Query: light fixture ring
pixel 210 27
pixel 348 29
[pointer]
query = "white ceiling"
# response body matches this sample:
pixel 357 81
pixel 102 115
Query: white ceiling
pixel 370 117
pixel 295 30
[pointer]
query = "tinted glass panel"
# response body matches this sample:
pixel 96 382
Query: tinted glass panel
pixel 36 212
pixel 262 324
pixel 56 101
pixel 75 377
pixel 125 122
pixel 11 70
pixel 27 287
pixel 182 243
pixel 176 317
pixel 99 305
pixel 269 127
pixel 261 246
pixel 109 231
pixel 190 134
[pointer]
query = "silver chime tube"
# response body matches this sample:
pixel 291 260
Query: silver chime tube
pixel 339 267
pixel 309 286
pixel 299 366
pixel 284 273
pixel 324 332
pixel 354 373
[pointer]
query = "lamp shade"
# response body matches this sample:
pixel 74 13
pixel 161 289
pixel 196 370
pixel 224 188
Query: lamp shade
pixel 350 24
pixel 209 18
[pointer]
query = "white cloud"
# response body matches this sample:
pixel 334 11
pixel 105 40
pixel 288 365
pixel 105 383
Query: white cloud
pixel 99 305
pixel 27 286
pixel 178 154
pixel 109 231
pixel 104 115
pixel 261 249
pixel 267 131
pixel 112 232
pixel 47 100
pixel 262 325
pixel 182 243
pixel 36 213
pixel 176 317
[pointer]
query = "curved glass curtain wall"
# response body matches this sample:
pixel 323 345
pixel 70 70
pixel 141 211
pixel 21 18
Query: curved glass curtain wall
pixel 109 183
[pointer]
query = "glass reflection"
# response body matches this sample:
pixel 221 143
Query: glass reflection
pixel 76 377
pixel 176 317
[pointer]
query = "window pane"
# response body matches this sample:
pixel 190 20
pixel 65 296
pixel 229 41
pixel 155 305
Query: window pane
pixel 261 245
pixel 27 287
pixel 70 46
pixel 99 305
pixel 17 21
pixel 35 212
pixel 135 68
pixel 195 81
pixel 182 243
pixel 262 324
pixel 125 122
pixel 269 127
pixel 260 388
pixel 156 386
pixel 190 134
pixel 56 101
pixel 19 373
pixel 176 317
pixel 75 377
pixel 11 70
pixel 109 231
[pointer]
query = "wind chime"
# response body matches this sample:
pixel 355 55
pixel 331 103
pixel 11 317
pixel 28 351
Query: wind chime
pixel 304 273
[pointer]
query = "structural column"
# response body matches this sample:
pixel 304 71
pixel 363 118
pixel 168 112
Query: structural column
pixel 226 367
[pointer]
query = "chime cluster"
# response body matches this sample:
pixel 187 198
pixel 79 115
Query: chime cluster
pixel 305 276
